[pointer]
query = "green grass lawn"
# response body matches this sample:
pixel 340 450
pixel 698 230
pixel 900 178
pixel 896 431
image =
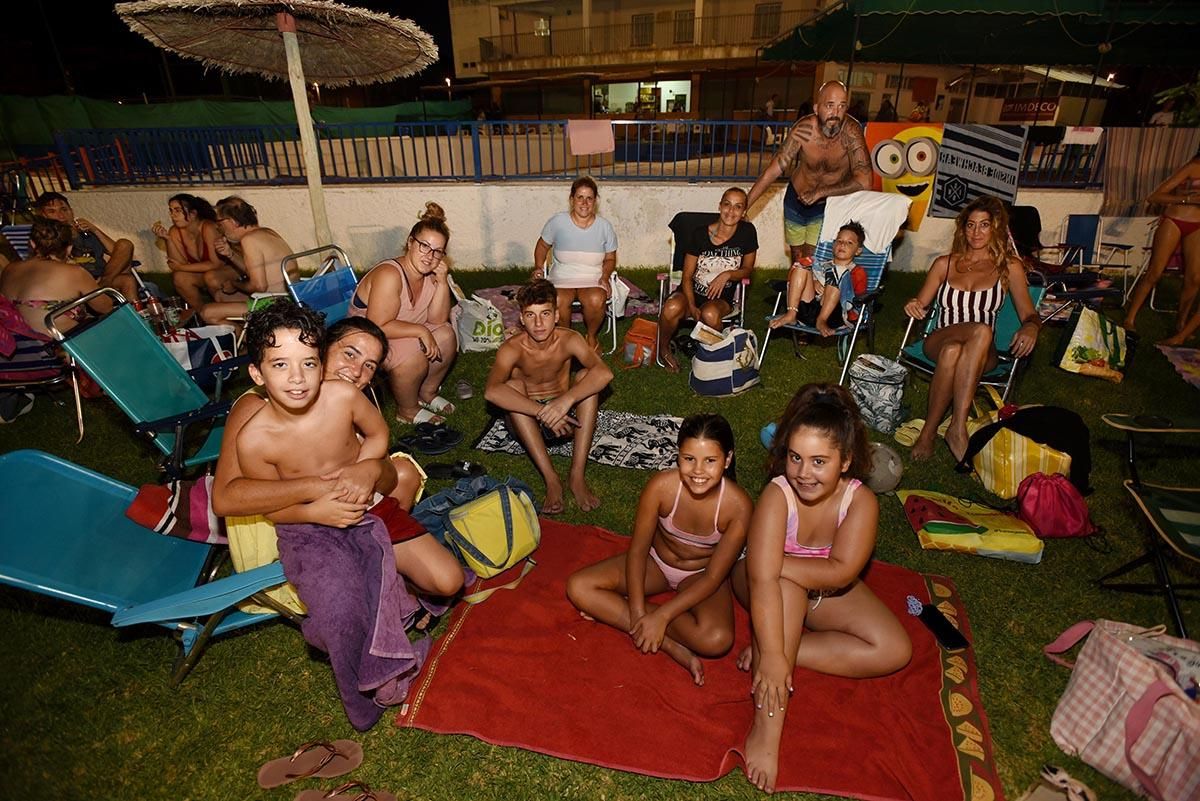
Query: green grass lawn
pixel 87 710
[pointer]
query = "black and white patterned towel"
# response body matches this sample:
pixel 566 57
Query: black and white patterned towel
pixel 623 439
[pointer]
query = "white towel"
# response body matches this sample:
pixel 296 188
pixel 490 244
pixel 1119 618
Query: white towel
pixel 879 213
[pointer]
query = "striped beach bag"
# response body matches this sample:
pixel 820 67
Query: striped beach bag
pixel 726 363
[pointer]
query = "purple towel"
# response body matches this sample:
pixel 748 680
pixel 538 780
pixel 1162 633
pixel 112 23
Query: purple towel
pixel 357 609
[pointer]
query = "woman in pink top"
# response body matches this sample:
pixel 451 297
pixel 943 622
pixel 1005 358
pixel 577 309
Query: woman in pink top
pixel 813 533
pixel 409 298
pixel 690 527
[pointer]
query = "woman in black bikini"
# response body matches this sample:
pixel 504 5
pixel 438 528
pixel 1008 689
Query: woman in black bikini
pixel 1177 229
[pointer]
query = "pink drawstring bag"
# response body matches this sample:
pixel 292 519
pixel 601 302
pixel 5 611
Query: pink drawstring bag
pixel 1053 507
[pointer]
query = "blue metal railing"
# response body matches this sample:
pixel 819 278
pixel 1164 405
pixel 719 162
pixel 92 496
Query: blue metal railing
pixel 349 153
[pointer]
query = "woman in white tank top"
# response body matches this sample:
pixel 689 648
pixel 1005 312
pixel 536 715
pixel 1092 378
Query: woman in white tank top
pixel 969 284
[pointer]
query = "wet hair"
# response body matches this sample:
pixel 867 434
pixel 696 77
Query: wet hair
pixel 855 228
pixel 50 237
pixel 354 325
pixel 237 210
pixel 537 291
pixel 47 198
pixel 584 181
pixel 286 314
pixel 432 219
pixel 737 189
pixel 190 203
pixel 710 426
pixel 831 410
pixel 999 247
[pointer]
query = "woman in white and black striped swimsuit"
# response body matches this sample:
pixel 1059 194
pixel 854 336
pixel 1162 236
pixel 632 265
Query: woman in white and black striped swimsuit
pixel 969 285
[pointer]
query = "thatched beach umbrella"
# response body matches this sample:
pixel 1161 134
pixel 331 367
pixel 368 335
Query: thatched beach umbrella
pixel 340 46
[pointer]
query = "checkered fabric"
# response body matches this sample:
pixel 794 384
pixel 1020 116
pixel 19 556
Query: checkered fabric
pixel 1124 714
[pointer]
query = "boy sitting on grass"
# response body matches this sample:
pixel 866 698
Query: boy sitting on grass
pixel 531 381
pixel 345 576
pixel 819 296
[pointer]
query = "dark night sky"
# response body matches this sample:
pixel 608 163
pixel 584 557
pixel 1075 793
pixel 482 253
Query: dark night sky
pixel 105 60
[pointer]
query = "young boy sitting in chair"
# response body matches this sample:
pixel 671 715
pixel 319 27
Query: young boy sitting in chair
pixel 345 576
pixel 819 296
pixel 531 381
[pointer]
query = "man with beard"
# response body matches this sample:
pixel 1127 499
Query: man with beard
pixel 827 156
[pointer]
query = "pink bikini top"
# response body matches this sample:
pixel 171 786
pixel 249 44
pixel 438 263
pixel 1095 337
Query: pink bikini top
pixel 667 523
pixel 790 546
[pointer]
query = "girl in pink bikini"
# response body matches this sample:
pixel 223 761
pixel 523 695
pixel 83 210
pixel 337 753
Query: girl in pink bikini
pixel 689 530
pixel 813 530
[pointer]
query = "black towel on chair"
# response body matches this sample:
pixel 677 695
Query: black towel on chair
pixel 1053 426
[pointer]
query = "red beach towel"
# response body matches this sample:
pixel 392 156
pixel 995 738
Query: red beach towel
pixel 524 669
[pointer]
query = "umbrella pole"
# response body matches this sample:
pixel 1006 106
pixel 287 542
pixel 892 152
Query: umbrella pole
pixel 286 24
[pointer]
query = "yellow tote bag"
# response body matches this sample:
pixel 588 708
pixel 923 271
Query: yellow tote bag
pixel 1009 457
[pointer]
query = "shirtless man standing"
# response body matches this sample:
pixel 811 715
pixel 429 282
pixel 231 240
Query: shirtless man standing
pixel 531 380
pixel 254 253
pixel 827 155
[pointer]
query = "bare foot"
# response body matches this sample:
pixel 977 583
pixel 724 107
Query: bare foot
pixel 1128 324
pixel 554 498
pixel 584 496
pixel 745 658
pixel 1172 341
pixel 923 447
pixel 762 751
pixel 787 318
pixel 957 440
pixel 668 361
pixel 683 655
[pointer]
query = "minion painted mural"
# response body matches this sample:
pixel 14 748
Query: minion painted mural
pixel 904 157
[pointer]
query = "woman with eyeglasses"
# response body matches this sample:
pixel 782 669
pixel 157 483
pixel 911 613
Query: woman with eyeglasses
pixel 409 298
pixel 584 257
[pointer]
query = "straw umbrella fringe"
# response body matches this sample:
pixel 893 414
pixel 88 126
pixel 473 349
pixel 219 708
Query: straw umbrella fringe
pixel 341 46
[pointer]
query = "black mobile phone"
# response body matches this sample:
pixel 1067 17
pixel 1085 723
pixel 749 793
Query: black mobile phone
pixel 947 635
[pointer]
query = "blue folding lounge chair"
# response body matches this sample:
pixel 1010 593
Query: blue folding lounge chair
pixel 330 288
pixel 682 226
pixel 120 352
pixel 65 534
pixel 1172 512
pixel 838 211
pixel 1004 373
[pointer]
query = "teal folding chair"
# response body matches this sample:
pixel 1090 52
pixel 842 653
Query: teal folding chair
pixel 162 399
pixel 1003 375
pixel 65 535
pixel 330 288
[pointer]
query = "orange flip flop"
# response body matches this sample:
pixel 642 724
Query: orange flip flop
pixel 350 791
pixel 315 759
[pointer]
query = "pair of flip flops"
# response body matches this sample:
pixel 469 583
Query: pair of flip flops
pixel 464 469
pixel 321 760
pixel 430 439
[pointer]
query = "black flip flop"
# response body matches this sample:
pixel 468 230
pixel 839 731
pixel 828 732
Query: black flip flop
pixel 438 442
pixel 464 469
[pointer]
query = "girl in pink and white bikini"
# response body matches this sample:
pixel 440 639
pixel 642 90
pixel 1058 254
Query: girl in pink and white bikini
pixel 690 528
pixel 813 530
